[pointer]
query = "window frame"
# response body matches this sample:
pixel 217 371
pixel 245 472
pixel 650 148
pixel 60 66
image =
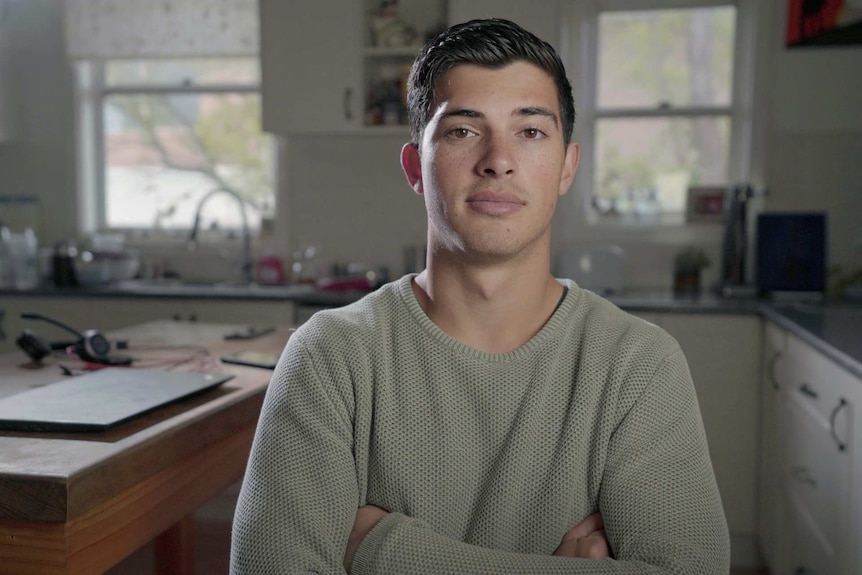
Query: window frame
pixel 92 90
pixel 581 47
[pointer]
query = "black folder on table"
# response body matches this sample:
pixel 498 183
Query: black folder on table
pixel 102 399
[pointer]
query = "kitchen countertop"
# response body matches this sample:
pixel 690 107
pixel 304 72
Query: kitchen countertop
pixel 158 289
pixel 644 300
pixel 832 329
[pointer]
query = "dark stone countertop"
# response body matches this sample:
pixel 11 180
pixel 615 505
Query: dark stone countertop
pixel 833 329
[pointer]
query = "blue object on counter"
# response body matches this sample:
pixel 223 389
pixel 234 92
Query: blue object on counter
pixel 791 252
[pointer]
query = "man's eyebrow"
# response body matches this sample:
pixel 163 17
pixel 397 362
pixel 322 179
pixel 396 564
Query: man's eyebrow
pixel 462 113
pixel 537 111
pixel 526 111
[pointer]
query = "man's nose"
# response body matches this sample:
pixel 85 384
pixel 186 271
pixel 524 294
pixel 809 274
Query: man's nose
pixel 497 158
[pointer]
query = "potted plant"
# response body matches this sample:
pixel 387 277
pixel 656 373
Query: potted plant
pixel 687 267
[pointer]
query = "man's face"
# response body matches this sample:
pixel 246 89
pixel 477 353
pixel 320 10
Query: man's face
pixel 493 161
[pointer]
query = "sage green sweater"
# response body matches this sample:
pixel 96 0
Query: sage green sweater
pixel 484 460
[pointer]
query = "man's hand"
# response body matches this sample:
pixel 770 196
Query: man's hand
pixel 366 518
pixel 586 540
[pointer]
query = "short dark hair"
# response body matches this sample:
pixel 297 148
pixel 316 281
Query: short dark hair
pixel 491 43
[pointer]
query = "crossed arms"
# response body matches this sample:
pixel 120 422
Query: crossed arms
pixel 301 500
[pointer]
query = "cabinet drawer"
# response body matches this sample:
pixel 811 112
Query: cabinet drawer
pixel 815 376
pixel 816 470
pixel 804 551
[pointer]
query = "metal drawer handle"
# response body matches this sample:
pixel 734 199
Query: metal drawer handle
pixel 800 474
pixel 805 389
pixel 841 444
pixel 771 370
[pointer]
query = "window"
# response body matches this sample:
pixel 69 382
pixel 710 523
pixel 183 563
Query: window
pixel 659 108
pixel 160 134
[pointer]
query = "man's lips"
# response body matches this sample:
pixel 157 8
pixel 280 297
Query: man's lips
pixel 495 203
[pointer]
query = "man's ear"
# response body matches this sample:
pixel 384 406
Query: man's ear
pixel 570 167
pixel 411 163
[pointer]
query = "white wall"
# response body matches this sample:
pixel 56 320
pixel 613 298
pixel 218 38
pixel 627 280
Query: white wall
pixel 348 197
pixel 814 138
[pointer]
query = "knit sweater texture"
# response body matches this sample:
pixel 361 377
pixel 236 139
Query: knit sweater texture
pixel 484 461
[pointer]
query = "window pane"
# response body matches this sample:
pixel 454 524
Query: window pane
pixel 645 166
pixel 164 152
pixel 681 57
pixel 188 72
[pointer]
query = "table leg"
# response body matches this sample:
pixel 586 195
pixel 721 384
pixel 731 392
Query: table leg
pixel 174 549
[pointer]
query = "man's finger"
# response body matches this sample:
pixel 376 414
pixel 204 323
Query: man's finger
pixel 596 545
pixel 590 524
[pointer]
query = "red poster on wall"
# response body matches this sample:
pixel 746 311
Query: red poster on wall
pixel 824 22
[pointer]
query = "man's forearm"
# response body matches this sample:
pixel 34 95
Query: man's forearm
pixel 399 544
pixel 586 540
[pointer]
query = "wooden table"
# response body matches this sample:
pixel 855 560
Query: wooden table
pixel 81 502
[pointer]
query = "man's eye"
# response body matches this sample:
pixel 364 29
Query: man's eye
pixel 460 133
pixel 533 133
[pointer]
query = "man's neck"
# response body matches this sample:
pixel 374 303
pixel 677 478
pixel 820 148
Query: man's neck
pixel 492 308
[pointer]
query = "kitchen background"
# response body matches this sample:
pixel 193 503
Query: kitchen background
pixel 342 191
pixel 345 193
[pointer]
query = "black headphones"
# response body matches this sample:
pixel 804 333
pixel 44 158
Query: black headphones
pixel 90 346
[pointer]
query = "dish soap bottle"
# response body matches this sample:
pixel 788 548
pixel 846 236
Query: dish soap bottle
pixel 270 268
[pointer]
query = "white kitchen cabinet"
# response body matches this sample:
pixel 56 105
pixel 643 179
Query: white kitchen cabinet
pixel 723 354
pixel 818 447
pixel 310 67
pixel 811 463
pixel 322 73
pixel 771 378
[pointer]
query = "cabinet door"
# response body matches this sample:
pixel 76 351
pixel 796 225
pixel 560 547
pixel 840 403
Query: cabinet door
pixel 311 65
pixel 803 550
pixel 816 421
pixel 853 390
pixel 771 379
pixel 723 354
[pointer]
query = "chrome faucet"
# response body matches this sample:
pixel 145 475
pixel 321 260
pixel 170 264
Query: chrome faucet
pixel 246 233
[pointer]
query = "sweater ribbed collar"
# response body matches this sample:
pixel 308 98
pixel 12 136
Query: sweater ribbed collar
pixel 551 330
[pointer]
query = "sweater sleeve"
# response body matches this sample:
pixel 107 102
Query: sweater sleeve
pixel 659 500
pixel 299 496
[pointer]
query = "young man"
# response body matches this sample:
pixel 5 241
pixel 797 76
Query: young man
pixel 482 416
